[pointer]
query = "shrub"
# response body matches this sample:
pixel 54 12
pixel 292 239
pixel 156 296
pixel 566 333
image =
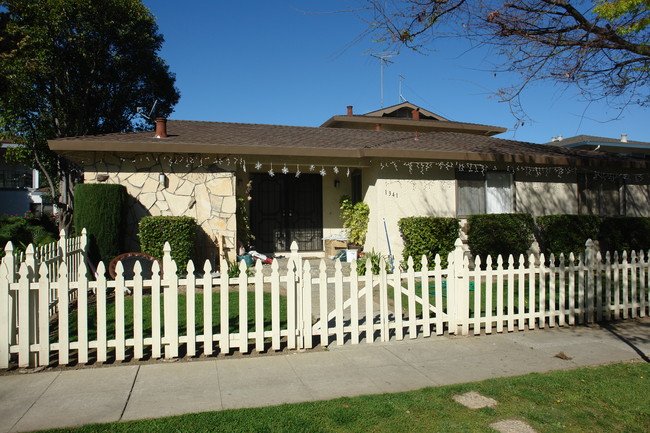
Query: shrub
pixel 503 234
pixel 427 236
pixel 624 233
pixel 566 233
pixel 355 219
pixel 101 210
pixel 180 232
pixel 375 259
pixel 22 231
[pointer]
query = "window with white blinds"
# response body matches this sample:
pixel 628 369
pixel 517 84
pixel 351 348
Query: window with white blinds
pixel 479 193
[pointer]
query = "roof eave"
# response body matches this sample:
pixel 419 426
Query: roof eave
pixel 437 125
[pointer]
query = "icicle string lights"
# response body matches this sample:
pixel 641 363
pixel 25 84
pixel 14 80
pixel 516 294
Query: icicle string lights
pixel 198 161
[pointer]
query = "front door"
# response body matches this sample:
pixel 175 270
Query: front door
pixel 286 209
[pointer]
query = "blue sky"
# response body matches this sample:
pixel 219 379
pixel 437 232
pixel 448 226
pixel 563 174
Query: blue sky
pixel 270 62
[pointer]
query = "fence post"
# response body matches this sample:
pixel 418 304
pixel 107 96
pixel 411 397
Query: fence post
pixel 589 279
pixel 63 248
pixel 170 299
pixel 457 289
pixel 30 260
pixel 296 262
pixel 5 315
pixel 10 262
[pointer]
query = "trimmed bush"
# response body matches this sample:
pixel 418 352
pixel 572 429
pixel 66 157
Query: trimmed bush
pixel 101 210
pixel 22 231
pixel 624 233
pixel 355 217
pixel 504 234
pixel 428 236
pixel 566 233
pixel 180 232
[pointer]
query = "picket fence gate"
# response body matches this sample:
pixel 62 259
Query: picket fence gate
pixel 276 311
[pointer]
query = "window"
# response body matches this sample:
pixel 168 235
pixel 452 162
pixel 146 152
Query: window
pixel 15 177
pixel 601 196
pixel 479 193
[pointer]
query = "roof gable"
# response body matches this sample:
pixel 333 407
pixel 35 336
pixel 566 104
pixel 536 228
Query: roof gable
pixel 404 110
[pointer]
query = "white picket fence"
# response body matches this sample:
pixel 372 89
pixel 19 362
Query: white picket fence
pixel 68 250
pixel 299 307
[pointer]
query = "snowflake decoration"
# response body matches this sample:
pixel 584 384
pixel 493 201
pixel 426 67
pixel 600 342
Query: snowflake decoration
pixel 258 165
pixel 348 173
pixel 312 167
pixel 322 171
pixel 335 170
pixel 297 171
pixel 285 170
pixel 271 172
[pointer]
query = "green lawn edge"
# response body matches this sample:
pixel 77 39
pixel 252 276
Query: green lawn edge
pixel 609 398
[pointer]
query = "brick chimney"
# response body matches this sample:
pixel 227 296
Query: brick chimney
pixel 416 114
pixel 161 127
pixel 349 110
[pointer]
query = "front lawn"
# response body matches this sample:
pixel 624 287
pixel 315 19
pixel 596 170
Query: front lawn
pixel 233 316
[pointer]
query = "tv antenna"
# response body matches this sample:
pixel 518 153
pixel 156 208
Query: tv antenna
pixel 140 110
pixel 383 59
pixel 401 97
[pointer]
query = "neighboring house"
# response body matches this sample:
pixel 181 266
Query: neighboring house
pixel 622 146
pixel 601 198
pixel 402 161
pixel 19 187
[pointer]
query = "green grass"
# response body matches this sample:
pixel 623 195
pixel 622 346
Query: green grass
pixel 233 310
pixel 610 398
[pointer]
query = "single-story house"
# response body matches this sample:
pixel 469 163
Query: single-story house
pixel 622 146
pixel 402 161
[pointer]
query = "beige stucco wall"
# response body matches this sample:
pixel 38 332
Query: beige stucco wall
pixel 393 194
pixel 200 190
pixel 546 195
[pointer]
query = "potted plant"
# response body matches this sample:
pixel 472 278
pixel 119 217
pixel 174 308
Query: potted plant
pixel 355 218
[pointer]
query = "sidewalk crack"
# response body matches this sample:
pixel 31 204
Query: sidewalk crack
pixel 128 398
pixel 34 402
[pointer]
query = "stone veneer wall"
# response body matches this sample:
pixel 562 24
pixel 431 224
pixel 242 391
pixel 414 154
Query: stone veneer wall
pixel 204 192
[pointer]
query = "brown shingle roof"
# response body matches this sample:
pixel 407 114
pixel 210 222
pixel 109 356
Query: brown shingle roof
pixel 258 139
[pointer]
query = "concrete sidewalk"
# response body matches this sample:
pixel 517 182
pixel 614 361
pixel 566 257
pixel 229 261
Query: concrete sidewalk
pixel 120 393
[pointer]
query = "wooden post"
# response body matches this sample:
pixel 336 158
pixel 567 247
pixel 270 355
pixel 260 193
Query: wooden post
pixel 9 260
pixel 295 262
pixel 30 261
pixel 307 287
pixel 170 300
pixel 457 289
pixel 5 315
pixel 589 279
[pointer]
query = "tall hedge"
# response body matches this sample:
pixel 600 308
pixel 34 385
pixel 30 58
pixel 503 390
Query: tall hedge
pixel 624 233
pixel 428 236
pixel 180 232
pixel 505 234
pixel 566 233
pixel 101 210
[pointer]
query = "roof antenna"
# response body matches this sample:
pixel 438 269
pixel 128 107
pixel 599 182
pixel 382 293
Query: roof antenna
pixel 140 110
pixel 383 59
pixel 401 98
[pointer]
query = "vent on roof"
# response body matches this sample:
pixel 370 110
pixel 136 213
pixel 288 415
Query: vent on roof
pixel 624 138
